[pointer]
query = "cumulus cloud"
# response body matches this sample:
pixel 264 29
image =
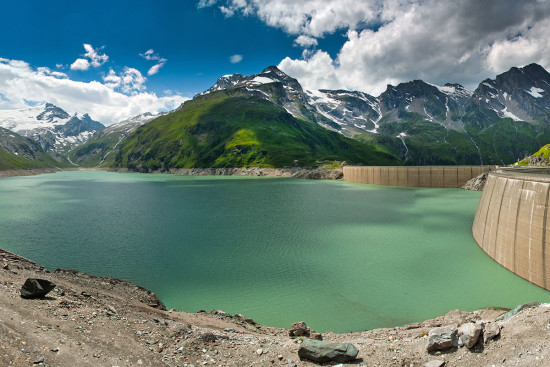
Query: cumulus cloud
pixel 305 41
pixel 391 41
pixel 21 85
pixel 151 55
pixel 80 64
pixel 93 58
pixel 234 59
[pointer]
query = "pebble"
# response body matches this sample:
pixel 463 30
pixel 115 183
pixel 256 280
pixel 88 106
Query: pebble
pixel 39 360
pixel 260 351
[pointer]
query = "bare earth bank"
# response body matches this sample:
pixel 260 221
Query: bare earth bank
pixel 87 320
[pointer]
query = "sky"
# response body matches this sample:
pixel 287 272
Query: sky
pixel 117 59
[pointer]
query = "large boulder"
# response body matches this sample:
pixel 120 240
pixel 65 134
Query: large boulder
pixel 468 334
pixel 325 351
pixel 442 338
pixel 36 288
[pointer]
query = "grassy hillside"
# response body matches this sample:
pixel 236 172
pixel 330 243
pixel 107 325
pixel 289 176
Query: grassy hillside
pixel 237 131
pixel 96 152
pixel 543 153
pixel 19 152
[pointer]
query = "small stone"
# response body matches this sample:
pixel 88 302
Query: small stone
pixel 259 351
pixel 491 331
pixel 280 357
pixel 291 363
pixel 56 349
pixel 316 336
pixel 299 329
pixel 39 360
pixel 229 330
pixel 434 363
pixel 112 309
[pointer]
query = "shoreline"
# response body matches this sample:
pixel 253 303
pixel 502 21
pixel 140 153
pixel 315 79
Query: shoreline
pixel 89 320
pixel 28 172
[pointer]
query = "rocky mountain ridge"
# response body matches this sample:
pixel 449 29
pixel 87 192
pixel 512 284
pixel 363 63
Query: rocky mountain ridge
pixel 53 128
pixel 417 121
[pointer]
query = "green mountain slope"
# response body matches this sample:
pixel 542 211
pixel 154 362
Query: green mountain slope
pixel 541 158
pixel 18 152
pixel 234 130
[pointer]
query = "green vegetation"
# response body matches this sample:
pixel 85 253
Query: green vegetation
pixel 98 151
pixel 11 161
pixel 544 152
pixel 237 131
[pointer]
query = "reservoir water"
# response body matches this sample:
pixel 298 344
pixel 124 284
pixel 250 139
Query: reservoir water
pixel 338 255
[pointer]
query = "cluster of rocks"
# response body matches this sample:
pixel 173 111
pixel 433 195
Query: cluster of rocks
pixel 476 183
pixel 466 335
pixel 538 161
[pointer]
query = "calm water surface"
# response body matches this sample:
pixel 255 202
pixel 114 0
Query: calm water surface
pixel 338 255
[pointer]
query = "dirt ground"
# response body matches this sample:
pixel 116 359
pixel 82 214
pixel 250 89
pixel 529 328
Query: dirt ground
pixel 88 320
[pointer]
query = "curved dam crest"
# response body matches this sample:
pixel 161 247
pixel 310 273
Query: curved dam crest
pixel 511 222
pixel 414 176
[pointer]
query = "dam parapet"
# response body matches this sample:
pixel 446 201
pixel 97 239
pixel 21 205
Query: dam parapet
pixel 414 176
pixel 511 221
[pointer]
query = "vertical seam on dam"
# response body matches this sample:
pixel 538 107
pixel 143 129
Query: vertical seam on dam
pixel 516 227
pixel 498 220
pixel 486 216
pixel 544 239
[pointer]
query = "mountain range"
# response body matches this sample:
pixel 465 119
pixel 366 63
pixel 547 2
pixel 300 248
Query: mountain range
pixel 55 130
pixel 269 119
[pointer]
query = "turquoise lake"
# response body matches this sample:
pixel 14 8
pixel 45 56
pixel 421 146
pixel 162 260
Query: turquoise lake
pixel 339 256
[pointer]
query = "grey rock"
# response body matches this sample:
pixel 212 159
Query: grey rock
pixel 299 329
pixel 491 331
pixel 468 334
pixel 36 288
pixel 517 309
pixel 442 338
pixel 291 363
pixel 325 351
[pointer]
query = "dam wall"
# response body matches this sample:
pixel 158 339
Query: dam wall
pixel 511 222
pixel 414 176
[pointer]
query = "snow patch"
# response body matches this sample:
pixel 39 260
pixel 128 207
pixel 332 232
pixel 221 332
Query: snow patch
pixel 535 92
pixel 509 114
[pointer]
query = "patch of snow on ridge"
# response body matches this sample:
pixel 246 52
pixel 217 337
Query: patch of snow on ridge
pixel 262 80
pixel 509 114
pixel 535 92
pixel 402 135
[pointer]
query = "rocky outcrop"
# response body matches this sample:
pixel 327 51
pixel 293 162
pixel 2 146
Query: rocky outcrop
pixel 476 183
pixel 324 351
pixel 319 173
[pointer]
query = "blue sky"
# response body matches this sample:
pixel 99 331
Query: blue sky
pixel 96 56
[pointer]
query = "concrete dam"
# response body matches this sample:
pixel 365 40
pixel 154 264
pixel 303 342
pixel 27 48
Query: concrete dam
pixel 512 222
pixel 414 176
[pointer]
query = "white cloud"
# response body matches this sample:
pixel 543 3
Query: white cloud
pixel 155 69
pixel 21 85
pixel 305 41
pixel 80 64
pixel 234 59
pixel 151 55
pixel 392 41
pixel 96 59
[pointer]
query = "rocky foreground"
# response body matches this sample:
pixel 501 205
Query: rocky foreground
pixel 88 320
